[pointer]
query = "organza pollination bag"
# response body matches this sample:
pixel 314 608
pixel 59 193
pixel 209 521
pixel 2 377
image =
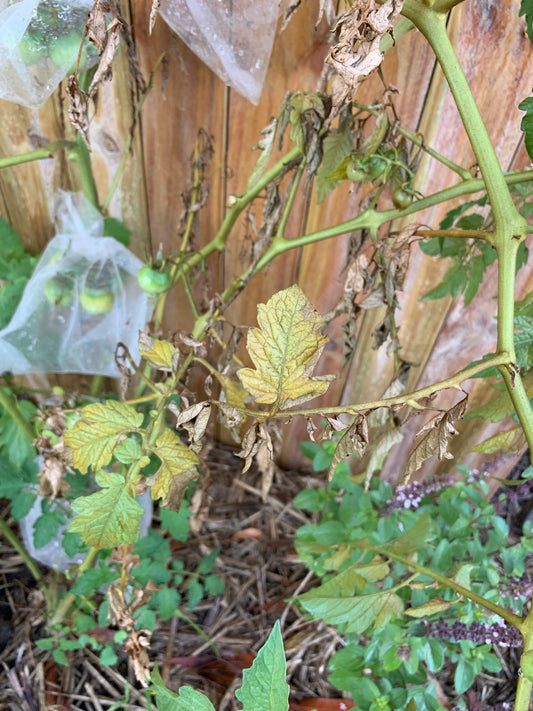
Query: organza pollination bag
pixel 233 37
pixel 39 45
pixel 82 299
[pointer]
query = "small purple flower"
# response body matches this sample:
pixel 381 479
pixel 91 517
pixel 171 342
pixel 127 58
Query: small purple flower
pixel 409 496
pixel 477 632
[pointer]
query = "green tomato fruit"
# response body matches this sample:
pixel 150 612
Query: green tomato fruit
pixel 58 291
pixel 32 48
pixel 96 301
pixel 401 198
pixel 152 281
pixel 355 172
pixel 376 167
pixel 64 51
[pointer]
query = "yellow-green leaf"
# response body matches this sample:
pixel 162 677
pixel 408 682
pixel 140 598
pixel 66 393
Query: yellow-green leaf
pixel 511 441
pixel 436 604
pixel 93 437
pixel 285 349
pixel 352 613
pixel 161 354
pixel 177 470
pixel 108 517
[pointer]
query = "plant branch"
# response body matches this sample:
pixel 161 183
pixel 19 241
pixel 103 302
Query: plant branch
pixel 8 534
pixel 508 616
pixel 410 399
pixel 9 404
pixel 69 599
pixel 38 154
pixel 418 140
pixel 463 234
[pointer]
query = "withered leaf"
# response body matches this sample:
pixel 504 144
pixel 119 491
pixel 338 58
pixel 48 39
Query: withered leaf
pixel 353 441
pixel 96 26
pixel 153 15
pixel 437 435
pixel 77 107
pixel 357 53
pixel 103 70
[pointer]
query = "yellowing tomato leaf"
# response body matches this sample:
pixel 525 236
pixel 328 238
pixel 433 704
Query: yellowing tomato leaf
pixel 161 354
pixel 108 517
pixel 93 437
pixel 285 349
pixel 511 441
pixel 436 604
pixel 352 613
pixel 177 470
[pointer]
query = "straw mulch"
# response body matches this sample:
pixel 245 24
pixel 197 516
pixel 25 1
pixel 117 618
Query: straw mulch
pixel 261 571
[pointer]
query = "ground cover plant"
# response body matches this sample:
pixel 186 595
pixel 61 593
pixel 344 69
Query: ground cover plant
pixel 415 579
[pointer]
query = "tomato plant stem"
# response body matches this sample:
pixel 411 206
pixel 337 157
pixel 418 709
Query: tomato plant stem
pixel 8 534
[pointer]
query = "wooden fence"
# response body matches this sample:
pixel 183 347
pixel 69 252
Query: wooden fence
pixel 440 336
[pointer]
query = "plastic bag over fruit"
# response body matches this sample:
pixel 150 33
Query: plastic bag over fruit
pixel 82 299
pixel 233 37
pixel 39 45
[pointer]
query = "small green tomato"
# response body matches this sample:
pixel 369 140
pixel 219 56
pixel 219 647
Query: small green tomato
pixel 31 48
pixel 64 51
pixel 96 301
pixel 356 172
pixel 153 281
pixel 401 198
pixel 58 291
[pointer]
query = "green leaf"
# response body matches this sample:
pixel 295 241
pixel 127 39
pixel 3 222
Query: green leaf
pixel 177 470
pixel 46 527
pixel 155 571
pixel 11 246
pixel 415 538
pixel 285 349
pixel 464 675
pixel 310 499
pixel 195 592
pixel 94 437
pixel 264 687
pixel 526 8
pixel 527 105
pixel 19 485
pixel 205 566
pixel 214 585
pixel 108 517
pixel 167 600
pixel 354 614
pixel 337 146
pixel 93 579
pixel 129 451
pixel 10 296
pixel 188 699
pixel 176 522
pixel 60 657
pixel 14 444
pixel 118 230
pixel 108 656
